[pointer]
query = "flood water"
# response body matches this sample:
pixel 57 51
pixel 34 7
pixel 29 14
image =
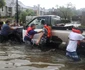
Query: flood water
pixel 20 57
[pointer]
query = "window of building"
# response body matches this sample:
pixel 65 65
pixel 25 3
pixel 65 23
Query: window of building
pixel 2 8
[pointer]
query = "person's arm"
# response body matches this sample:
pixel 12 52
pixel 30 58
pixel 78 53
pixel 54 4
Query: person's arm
pixel 35 32
pixel 40 37
pixel 82 38
pixel 40 31
pixel 12 28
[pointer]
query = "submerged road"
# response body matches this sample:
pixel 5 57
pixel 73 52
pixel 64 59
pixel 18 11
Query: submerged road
pixel 20 57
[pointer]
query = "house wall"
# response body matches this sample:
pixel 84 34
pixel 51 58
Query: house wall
pixel 12 4
pixel 22 7
pixel 3 12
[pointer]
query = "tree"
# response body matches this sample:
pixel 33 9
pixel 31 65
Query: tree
pixel 2 3
pixel 30 12
pixel 23 15
pixel 67 12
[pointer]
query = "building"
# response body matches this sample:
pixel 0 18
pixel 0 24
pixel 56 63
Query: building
pixel 10 8
pixel 39 10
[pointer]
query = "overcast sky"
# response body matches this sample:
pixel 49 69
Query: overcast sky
pixel 52 3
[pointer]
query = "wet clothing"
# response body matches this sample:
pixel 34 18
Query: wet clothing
pixel 5 29
pixel 77 31
pixel 73 41
pixel 27 32
pixel 30 32
pixel 8 34
pixel 72 45
pixel 28 39
pixel 48 30
pixel 72 55
pixel 47 35
pixel 29 35
pixel 45 38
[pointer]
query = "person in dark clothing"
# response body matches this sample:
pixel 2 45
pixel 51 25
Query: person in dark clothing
pixel 1 23
pixel 5 29
pixel 8 33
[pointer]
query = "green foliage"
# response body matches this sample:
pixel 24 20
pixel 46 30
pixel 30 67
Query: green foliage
pixel 2 3
pixel 30 12
pixel 82 26
pixel 23 14
pixel 19 12
pixel 66 12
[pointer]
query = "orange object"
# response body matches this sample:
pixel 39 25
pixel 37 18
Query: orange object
pixel 76 31
pixel 28 30
pixel 48 30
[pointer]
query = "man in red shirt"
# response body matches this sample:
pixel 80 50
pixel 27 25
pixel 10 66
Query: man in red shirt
pixel 30 33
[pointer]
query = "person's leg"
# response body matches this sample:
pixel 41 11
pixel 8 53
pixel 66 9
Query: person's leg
pixel 47 41
pixel 68 54
pixel 10 37
pixel 14 37
pixel 27 39
pixel 4 39
pixel 18 38
pixel 39 39
pixel 75 57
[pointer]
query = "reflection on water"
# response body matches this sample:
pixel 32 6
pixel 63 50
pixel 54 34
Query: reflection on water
pixel 21 57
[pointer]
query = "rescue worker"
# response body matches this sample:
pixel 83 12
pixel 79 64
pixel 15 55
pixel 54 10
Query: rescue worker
pixel 74 37
pixel 30 33
pixel 46 35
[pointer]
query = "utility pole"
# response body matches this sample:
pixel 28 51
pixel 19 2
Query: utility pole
pixel 17 16
pixel 38 10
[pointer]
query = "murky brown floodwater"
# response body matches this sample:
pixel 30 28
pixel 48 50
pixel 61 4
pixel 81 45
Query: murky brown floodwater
pixel 20 57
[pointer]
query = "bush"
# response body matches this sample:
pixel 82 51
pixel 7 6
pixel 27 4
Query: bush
pixel 65 21
pixel 23 14
pixel 83 27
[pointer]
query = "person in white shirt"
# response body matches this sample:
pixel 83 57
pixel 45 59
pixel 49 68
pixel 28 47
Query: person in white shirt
pixel 72 45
